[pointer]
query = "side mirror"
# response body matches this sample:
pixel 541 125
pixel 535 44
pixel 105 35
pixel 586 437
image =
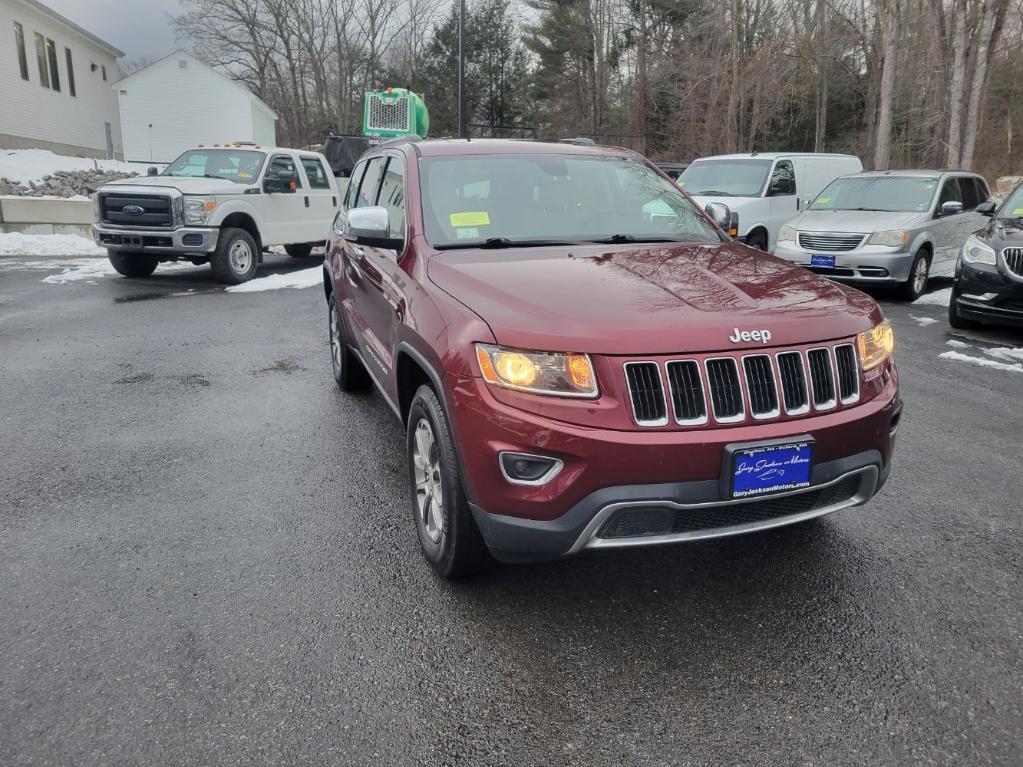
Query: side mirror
pixel 719 213
pixel 282 181
pixel 950 208
pixel 986 208
pixel 371 226
pixel 152 172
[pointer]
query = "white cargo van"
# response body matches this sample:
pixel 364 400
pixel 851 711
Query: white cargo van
pixel 765 189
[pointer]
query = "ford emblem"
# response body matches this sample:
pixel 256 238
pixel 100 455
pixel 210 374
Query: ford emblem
pixel 133 210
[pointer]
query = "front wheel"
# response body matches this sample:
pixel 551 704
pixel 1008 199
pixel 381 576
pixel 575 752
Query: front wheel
pixel 236 258
pixel 450 540
pixel 954 319
pixel 132 264
pixel 919 273
pixel 758 240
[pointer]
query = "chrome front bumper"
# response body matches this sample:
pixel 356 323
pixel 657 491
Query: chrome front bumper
pixel 184 240
pixel 867 263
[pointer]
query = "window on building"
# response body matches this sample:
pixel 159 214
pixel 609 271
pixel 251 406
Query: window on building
pixel 44 71
pixel 314 171
pixel 19 39
pixel 70 73
pixel 51 58
pixel 104 70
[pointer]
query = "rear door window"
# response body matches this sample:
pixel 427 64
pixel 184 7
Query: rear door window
pixel 315 172
pixel 370 183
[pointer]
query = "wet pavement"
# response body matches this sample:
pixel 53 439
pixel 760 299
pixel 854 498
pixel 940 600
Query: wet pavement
pixel 207 557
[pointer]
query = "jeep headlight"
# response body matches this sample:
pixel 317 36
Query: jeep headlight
pixel 875 345
pixel 976 252
pixel 559 373
pixel 892 238
pixel 198 210
pixel 787 234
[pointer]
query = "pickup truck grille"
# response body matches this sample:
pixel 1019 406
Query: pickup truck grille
pixel 156 210
pixel 829 242
pixel 732 388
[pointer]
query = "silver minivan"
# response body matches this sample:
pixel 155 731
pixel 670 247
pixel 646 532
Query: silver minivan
pixel 888 227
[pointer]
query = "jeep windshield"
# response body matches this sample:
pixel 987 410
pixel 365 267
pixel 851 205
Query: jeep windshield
pixel 241 166
pixel 725 178
pixel 888 194
pixel 522 200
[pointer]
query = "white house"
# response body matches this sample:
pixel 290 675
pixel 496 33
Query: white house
pixel 179 102
pixel 55 84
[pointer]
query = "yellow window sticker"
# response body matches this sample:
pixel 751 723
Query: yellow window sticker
pixel 1017 211
pixel 470 218
pixel 823 200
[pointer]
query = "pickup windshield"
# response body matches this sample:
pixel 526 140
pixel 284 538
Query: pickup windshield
pixel 523 200
pixel 889 194
pixel 241 166
pixel 725 178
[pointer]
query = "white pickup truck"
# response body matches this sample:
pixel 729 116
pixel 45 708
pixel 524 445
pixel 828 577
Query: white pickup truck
pixel 226 205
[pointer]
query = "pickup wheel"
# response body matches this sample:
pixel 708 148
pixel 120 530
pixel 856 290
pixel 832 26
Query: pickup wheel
pixel 450 540
pixel 349 373
pixel 300 250
pixel 236 257
pixel 132 264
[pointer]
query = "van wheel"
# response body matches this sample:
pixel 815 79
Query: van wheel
pixel 132 264
pixel 916 285
pixel 758 240
pixel 349 373
pixel 450 540
pixel 300 250
pixel 236 257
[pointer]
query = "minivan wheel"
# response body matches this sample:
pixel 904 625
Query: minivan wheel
pixel 449 538
pixel 132 264
pixel 916 285
pixel 236 258
pixel 349 373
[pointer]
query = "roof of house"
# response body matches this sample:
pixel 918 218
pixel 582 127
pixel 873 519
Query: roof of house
pixel 63 20
pixel 182 52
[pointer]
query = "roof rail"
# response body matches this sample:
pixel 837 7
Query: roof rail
pixel 578 141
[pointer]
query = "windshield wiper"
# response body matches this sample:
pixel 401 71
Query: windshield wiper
pixel 713 193
pixel 494 243
pixel 614 239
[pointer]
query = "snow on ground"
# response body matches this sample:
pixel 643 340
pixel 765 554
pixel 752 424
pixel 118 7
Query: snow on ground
pixel 957 344
pixel 24 165
pixel 306 278
pixel 937 298
pixel 90 270
pixel 1005 353
pixel 15 244
pixel 923 320
pixel 982 361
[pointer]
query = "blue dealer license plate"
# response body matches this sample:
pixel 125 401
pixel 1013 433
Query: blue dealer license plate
pixel 771 469
pixel 826 261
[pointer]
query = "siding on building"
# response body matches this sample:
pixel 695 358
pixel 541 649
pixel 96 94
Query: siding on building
pixel 187 103
pixel 34 116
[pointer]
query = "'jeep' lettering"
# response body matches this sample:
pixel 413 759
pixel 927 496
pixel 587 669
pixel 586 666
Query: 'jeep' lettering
pixel 746 336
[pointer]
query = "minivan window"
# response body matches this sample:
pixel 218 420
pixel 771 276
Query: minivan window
pixel 968 185
pixel 949 192
pixel 890 194
pixel 523 198
pixel 725 178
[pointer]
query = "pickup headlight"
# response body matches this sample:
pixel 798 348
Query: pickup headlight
pixel 892 238
pixel 198 210
pixel 976 252
pixel 559 373
pixel 787 234
pixel 96 217
pixel 875 345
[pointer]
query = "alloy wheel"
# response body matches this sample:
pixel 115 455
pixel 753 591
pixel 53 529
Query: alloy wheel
pixel 920 276
pixel 429 487
pixel 336 342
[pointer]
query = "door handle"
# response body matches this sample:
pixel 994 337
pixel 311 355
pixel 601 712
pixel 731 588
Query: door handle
pixel 307 201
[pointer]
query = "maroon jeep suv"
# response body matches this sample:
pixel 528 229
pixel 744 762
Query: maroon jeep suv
pixel 582 359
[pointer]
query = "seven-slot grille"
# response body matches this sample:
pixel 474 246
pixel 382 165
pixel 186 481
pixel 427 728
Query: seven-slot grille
pixel 1014 260
pixel 792 382
pixel 829 242
pixel 156 210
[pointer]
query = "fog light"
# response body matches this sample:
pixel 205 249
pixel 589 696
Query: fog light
pixel 526 469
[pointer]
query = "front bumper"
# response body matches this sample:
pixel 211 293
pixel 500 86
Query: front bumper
pixel 669 476
pixel 181 241
pixel 988 294
pixel 867 263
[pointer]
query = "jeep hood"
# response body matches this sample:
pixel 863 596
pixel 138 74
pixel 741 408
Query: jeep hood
pixel 647 300
pixel 855 220
pixel 185 185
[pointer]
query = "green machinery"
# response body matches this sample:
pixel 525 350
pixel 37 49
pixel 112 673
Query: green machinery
pixel 393 113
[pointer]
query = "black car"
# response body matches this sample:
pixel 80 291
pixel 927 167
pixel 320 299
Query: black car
pixel 673 169
pixel 988 283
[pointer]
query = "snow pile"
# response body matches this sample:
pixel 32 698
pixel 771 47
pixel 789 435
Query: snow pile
pixel 982 362
pixel 923 320
pixel 937 298
pixel 92 269
pixel 1005 353
pixel 306 278
pixel 14 244
pixel 41 173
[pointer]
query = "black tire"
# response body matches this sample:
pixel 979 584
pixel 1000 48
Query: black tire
pixel 954 319
pixel 238 268
pixel 349 373
pixel 914 287
pixel 456 550
pixel 132 264
pixel 299 250
pixel 758 240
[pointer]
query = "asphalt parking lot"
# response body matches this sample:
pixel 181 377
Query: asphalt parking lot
pixel 206 557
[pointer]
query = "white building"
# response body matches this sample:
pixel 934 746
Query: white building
pixel 55 84
pixel 179 102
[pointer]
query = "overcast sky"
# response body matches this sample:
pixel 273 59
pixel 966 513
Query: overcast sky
pixel 140 28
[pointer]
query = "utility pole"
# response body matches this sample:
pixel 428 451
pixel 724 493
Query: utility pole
pixel 461 69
